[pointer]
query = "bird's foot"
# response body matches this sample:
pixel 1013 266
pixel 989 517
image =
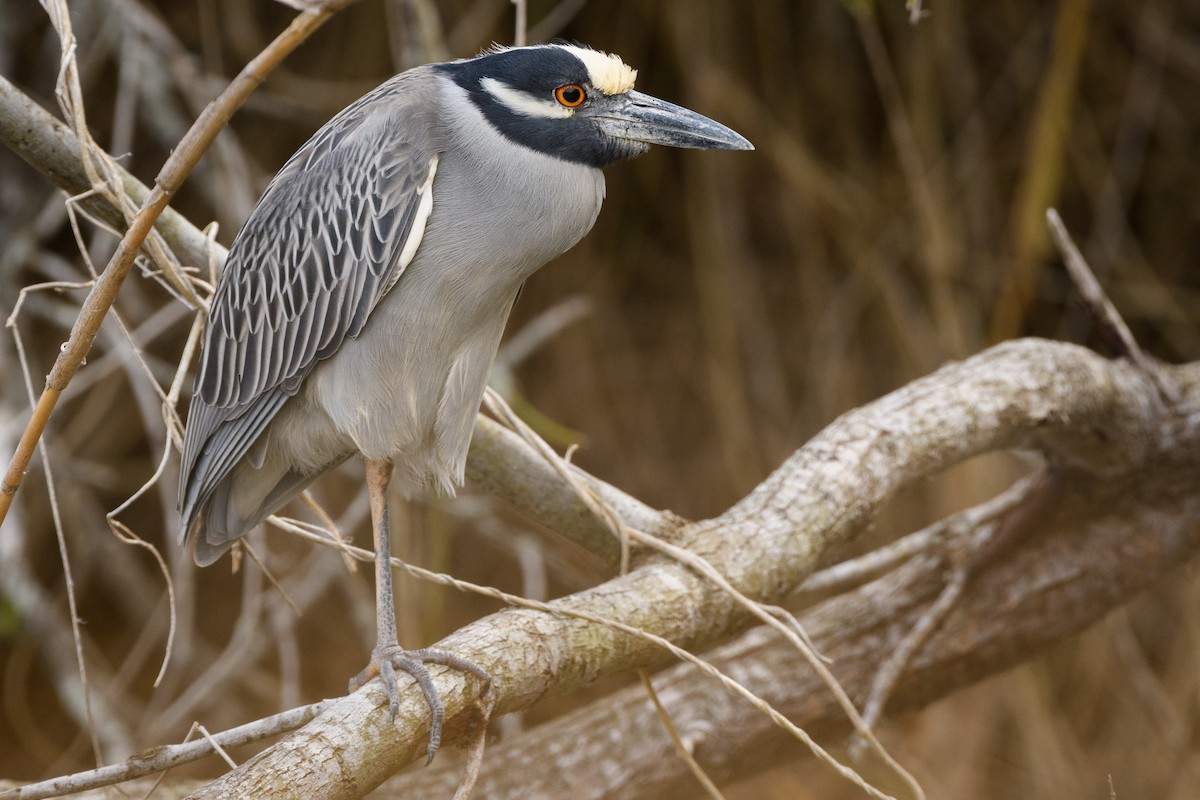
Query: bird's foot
pixel 386 660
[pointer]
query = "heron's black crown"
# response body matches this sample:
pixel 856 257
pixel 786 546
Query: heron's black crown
pixel 515 90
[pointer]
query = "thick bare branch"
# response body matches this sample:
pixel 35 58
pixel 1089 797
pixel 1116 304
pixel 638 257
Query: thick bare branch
pixel 501 462
pixel 1080 409
pixel 1085 413
pixel 1099 543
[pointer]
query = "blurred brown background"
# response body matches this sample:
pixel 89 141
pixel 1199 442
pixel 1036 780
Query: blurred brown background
pixel 890 219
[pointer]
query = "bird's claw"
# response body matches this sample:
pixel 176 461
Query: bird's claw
pixel 386 660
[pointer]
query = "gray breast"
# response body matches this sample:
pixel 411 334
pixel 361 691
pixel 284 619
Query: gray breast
pixel 409 386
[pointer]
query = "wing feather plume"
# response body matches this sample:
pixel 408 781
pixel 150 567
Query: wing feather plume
pixel 320 250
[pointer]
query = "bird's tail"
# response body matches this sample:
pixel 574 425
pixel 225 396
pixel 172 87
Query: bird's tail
pixel 237 504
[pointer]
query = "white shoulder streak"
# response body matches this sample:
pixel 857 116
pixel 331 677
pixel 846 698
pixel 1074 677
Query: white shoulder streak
pixel 521 103
pixel 420 220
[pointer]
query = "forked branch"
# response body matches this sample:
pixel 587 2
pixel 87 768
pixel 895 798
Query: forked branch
pixel 1094 419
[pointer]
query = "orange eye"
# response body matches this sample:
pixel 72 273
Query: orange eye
pixel 572 95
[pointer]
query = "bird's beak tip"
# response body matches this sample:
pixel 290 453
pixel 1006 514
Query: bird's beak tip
pixel 725 139
pixel 744 144
pixel 646 119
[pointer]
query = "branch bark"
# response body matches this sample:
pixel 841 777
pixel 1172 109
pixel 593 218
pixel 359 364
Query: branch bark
pixel 1127 455
pixel 1091 417
pixel 1099 542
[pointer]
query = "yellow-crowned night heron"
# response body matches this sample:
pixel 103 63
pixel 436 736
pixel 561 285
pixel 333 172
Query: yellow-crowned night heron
pixel 363 301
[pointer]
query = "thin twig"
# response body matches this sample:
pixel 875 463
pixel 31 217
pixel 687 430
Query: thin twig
pixel 681 749
pixel 992 527
pixel 1112 326
pixel 243 649
pixel 848 575
pixel 659 641
pixel 845 576
pixel 498 406
pixel 161 758
pixel 104 292
pixel 771 616
pixel 125 534
pixel 216 746
pixel 478 745
pixel 898 660
pixel 794 633
pixel 270 576
pixel 64 558
pixel 330 525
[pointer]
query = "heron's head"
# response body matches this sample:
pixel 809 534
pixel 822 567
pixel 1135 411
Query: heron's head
pixel 579 105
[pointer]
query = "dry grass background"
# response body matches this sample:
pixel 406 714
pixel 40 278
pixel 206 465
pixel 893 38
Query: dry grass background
pixel 889 220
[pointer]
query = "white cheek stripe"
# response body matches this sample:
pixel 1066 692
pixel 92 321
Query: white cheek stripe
pixel 521 103
pixel 417 232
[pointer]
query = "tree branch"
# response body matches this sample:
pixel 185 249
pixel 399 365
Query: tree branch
pixel 52 148
pixel 1126 452
pixel 1098 543
pixel 108 284
pixel 160 759
pixel 499 460
pixel 1089 415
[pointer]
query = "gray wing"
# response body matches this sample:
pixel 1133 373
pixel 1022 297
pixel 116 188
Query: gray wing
pixel 327 241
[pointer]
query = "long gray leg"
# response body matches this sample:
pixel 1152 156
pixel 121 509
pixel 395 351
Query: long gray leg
pixel 388 656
